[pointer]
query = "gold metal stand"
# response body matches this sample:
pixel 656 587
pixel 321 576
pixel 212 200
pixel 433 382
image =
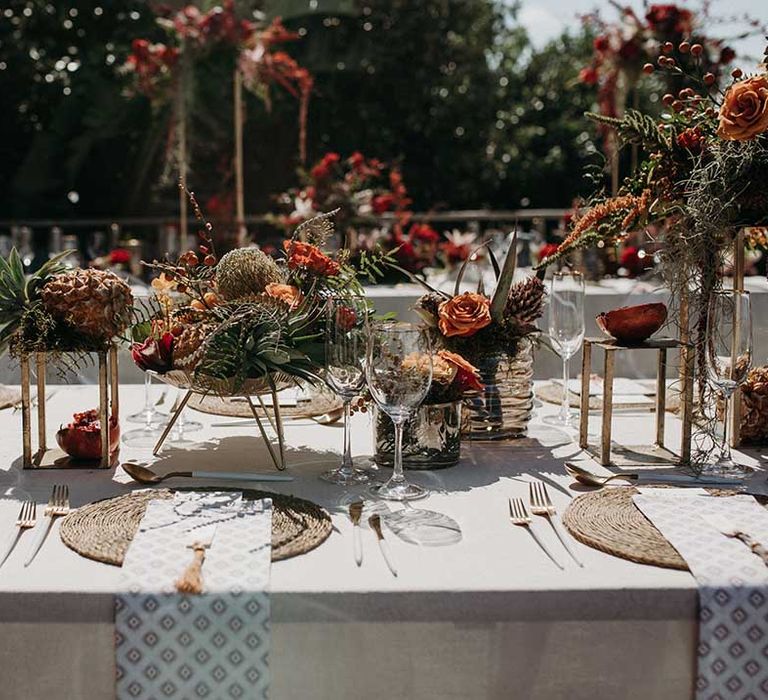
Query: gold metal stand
pixel 643 454
pixel 738 286
pixel 275 422
pixel 109 405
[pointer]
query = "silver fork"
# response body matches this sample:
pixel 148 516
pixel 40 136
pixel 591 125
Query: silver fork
pixel 541 504
pixel 26 520
pixel 58 505
pixel 519 515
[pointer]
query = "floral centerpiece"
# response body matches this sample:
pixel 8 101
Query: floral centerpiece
pixel 702 179
pixel 244 323
pixel 494 334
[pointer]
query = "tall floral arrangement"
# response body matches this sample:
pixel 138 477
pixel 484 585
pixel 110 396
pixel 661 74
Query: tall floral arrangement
pixel 703 177
pixel 624 46
pixel 154 69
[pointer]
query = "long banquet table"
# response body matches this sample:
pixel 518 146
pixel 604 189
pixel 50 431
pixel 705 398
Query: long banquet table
pixel 489 617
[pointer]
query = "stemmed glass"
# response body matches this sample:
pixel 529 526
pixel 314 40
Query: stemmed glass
pixel 345 345
pixel 566 331
pixel 729 358
pixel 399 372
pixel 149 415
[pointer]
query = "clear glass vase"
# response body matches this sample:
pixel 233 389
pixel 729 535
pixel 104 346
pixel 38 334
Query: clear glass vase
pixel 503 410
pixel 431 437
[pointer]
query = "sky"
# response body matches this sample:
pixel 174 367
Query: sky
pixel 545 19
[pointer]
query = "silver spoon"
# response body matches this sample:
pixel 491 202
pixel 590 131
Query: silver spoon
pixel 143 475
pixel 589 479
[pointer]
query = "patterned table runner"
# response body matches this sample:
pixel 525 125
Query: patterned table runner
pixel 732 583
pixel 212 645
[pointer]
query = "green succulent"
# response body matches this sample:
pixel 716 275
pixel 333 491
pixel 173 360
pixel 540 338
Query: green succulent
pixel 19 293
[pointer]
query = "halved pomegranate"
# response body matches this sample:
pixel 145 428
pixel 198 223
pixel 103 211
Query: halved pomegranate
pixel 81 439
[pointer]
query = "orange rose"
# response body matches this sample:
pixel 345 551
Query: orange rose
pixel 285 292
pixel 464 315
pixel 466 373
pixel 744 112
pixel 310 257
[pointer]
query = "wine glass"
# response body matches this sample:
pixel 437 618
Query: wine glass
pixel 566 331
pixel 729 358
pixel 147 436
pixel 150 416
pixel 399 372
pixel 345 346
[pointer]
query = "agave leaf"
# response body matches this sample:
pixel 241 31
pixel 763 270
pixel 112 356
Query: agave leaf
pixel 17 267
pixel 494 263
pixel 499 301
pixel 463 267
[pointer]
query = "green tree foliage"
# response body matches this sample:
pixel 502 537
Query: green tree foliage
pixel 451 88
pixel 65 127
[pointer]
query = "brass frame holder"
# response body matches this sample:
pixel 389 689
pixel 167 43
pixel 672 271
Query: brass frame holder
pixel 54 458
pixel 275 421
pixel 632 455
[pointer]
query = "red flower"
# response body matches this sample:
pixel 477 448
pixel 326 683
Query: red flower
pixel 323 169
pixel 357 160
pixel 635 261
pixel 120 256
pixel 692 139
pixel 602 43
pixel 629 50
pixel 154 353
pixel 727 54
pixel 309 257
pixel 547 250
pixel 382 202
pixel 423 233
pixel 346 317
pixel 588 76
pixel 454 253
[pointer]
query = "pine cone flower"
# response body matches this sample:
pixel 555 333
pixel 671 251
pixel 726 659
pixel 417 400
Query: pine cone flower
pixel 525 303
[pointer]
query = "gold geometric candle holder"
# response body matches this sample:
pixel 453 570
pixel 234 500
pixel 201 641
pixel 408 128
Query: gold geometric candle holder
pixel 657 453
pixel 44 457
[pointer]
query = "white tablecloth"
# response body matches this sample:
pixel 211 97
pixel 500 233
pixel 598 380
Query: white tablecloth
pixel 489 617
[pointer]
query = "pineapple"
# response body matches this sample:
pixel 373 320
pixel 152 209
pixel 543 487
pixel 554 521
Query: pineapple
pixel 245 271
pixel 18 293
pixel 95 303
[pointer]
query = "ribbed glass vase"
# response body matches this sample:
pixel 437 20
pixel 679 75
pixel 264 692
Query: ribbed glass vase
pixel 503 410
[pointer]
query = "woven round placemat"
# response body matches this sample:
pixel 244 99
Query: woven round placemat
pixel 238 408
pixel 609 520
pixel 104 530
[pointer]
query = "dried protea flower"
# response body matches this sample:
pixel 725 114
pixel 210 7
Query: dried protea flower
pixel 525 303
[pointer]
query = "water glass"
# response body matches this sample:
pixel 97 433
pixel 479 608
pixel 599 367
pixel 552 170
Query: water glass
pixel 399 373
pixel 729 358
pixel 566 331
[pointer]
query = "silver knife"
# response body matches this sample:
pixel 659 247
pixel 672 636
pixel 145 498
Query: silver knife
pixel 375 522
